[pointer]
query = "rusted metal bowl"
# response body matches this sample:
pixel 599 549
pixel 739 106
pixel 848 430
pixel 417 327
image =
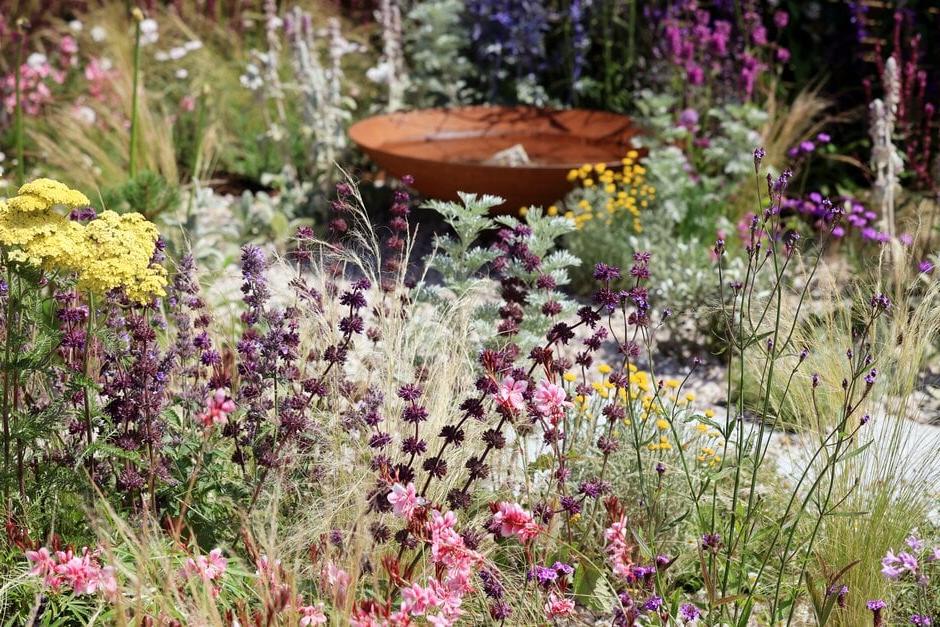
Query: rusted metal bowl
pixel 451 150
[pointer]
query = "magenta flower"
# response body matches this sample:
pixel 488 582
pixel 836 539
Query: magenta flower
pixel 510 394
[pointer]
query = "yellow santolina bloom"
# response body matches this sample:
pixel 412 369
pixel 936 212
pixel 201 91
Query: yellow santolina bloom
pixel 616 193
pixel 112 251
pixel 569 377
pixel 120 250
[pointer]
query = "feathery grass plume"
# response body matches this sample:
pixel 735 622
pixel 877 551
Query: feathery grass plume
pixel 892 482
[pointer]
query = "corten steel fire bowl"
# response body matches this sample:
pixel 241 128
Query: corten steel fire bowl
pixel 451 150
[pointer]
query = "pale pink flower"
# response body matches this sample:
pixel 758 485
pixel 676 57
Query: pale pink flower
pixel 405 500
pixel 512 520
pixel 68 47
pixel 558 606
pixel 312 615
pixel 218 407
pixel 107 583
pixel 208 568
pixel 618 548
pixel 267 570
pixel 338 579
pixel 99 76
pixel 510 394
pixel 43 562
pixel 550 400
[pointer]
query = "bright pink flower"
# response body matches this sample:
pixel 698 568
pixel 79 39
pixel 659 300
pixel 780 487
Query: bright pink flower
pixel 82 573
pixel 510 392
pixel 404 500
pixel 512 520
pixel 550 400
pixel 312 615
pixel 558 606
pixel 218 407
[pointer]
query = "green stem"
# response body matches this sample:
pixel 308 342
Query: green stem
pixel 132 167
pixel 18 113
pixel 8 341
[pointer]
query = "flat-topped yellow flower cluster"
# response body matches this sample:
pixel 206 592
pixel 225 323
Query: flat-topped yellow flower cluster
pixel 112 251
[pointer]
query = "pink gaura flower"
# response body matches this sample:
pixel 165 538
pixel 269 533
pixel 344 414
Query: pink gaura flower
pixel 558 606
pixel 512 520
pixel 100 77
pixel 82 573
pixel 550 400
pixel 338 580
pixel 618 548
pixel 510 394
pixel 267 570
pixel 218 407
pixel 43 562
pixel 312 615
pixel 207 567
pixel 405 500
pixel 417 600
pixel 69 48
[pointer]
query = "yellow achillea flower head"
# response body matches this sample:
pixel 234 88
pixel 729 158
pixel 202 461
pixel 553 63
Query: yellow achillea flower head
pixel 27 203
pixel 118 255
pixel 112 251
pixel 41 238
pixel 43 194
